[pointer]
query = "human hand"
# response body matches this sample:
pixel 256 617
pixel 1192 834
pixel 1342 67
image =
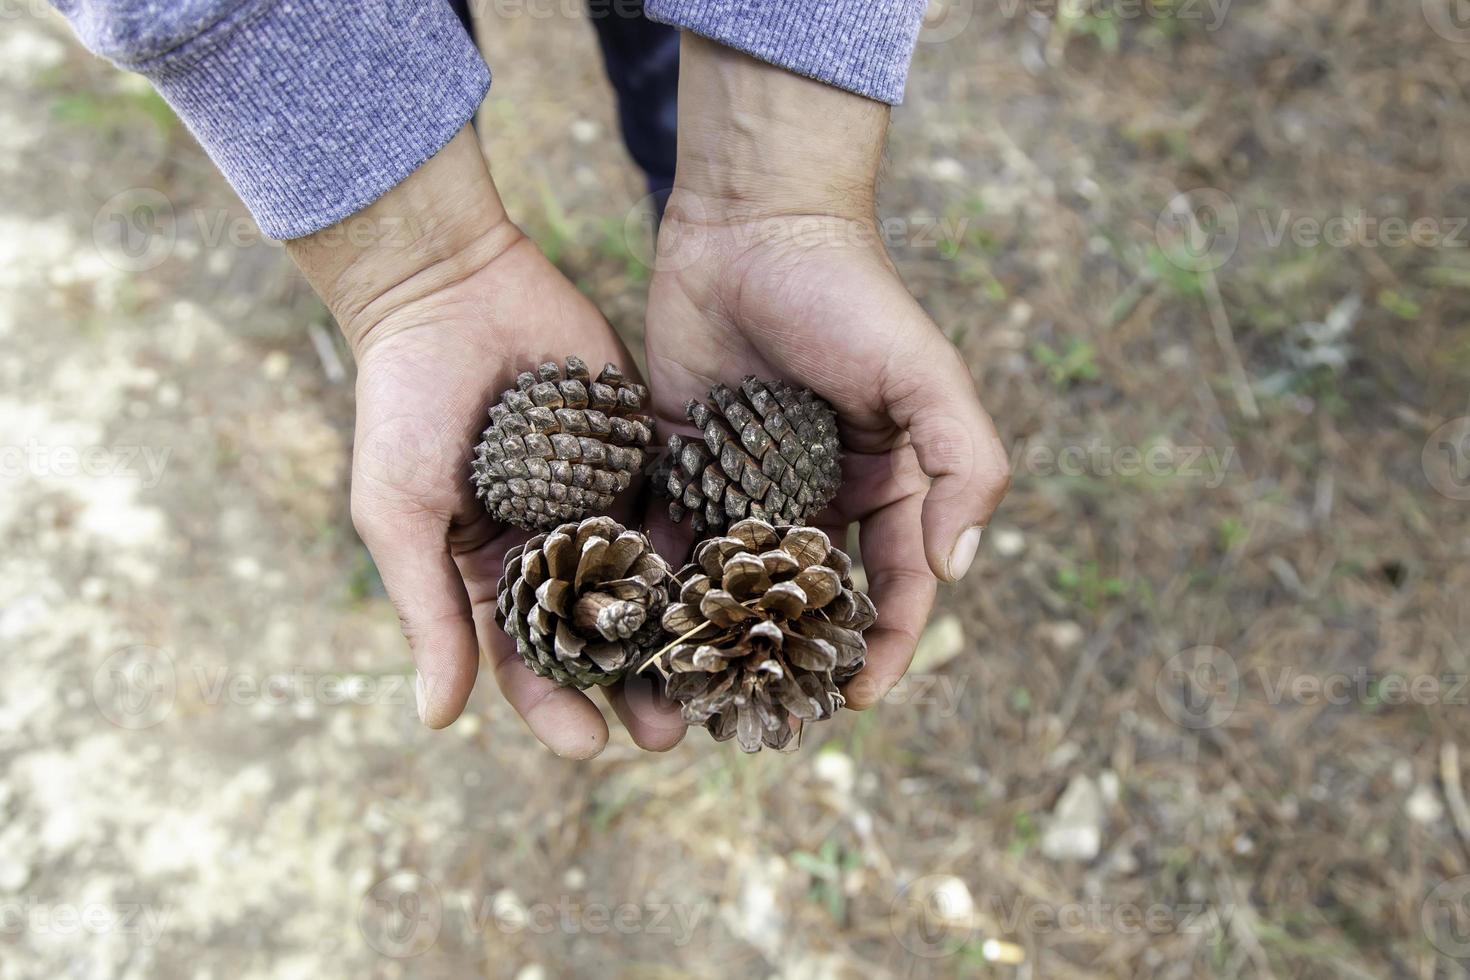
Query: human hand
pixel 770 263
pixel 443 301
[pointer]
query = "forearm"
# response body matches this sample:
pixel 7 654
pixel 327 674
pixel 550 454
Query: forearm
pixel 312 109
pixel 434 229
pixel 860 46
pixel 758 141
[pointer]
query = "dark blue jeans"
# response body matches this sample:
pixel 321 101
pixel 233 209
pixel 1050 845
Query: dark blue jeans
pixel 642 62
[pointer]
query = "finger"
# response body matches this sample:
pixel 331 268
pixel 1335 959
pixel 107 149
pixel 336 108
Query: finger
pixel 902 588
pixel 412 555
pixel 932 396
pixel 562 718
pixel 652 720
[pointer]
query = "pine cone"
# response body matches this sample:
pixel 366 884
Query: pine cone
pixel 770 451
pixel 771 627
pixel 561 446
pixel 583 601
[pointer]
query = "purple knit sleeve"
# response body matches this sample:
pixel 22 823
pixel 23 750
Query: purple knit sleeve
pixel 312 109
pixel 863 46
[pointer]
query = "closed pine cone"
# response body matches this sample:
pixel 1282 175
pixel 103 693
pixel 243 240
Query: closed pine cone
pixel 561 445
pixel 771 626
pixel 770 451
pixel 583 601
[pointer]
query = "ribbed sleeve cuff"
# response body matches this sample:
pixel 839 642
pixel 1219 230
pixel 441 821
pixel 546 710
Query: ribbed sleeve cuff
pixel 313 112
pixel 863 46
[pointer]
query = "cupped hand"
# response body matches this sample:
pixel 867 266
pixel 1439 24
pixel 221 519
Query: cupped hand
pixel 815 300
pixel 770 263
pixel 438 331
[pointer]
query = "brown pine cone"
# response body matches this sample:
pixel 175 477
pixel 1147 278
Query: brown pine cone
pixel 769 626
pixel 583 601
pixel 770 451
pixel 561 446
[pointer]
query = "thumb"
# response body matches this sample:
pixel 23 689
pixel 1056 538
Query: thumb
pixel 405 520
pixel 931 395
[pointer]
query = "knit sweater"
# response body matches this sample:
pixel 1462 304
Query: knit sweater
pixel 313 109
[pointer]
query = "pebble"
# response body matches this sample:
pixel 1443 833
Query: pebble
pixel 1423 805
pixel 942 641
pixel 1008 542
pixel 837 770
pixel 1063 636
pixel 1074 832
pixel 947 168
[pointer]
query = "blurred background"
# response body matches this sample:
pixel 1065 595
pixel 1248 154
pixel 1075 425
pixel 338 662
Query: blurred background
pixel 1198 712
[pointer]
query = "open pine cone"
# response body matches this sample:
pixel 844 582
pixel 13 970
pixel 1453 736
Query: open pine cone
pixel 770 625
pixel 770 451
pixel 561 446
pixel 583 601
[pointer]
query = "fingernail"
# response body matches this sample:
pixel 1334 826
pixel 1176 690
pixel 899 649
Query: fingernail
pixel 421 696
pixel 963 555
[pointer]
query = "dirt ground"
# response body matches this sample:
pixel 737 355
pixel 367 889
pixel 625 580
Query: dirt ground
pixel 1200 711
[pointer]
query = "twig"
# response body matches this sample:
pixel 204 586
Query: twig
pixel 1225 337
pixel 1454 793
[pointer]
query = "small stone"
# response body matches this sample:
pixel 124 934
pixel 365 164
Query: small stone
pixel 1064 636
pixel 951 900
pixel 947 168
pixel 1423 805
pixel 574 879
pixel 1075 829
pixel 943 640
pixel 276 364
pixel 837 770
pixel 585 131
pixel 1008 542
pixel 531 971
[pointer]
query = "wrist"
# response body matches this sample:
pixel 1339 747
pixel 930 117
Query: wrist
pixel 436 228
pixel 758 141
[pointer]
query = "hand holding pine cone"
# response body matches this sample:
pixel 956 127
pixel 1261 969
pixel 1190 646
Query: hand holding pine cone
pixel 770 625
pixel 767 623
